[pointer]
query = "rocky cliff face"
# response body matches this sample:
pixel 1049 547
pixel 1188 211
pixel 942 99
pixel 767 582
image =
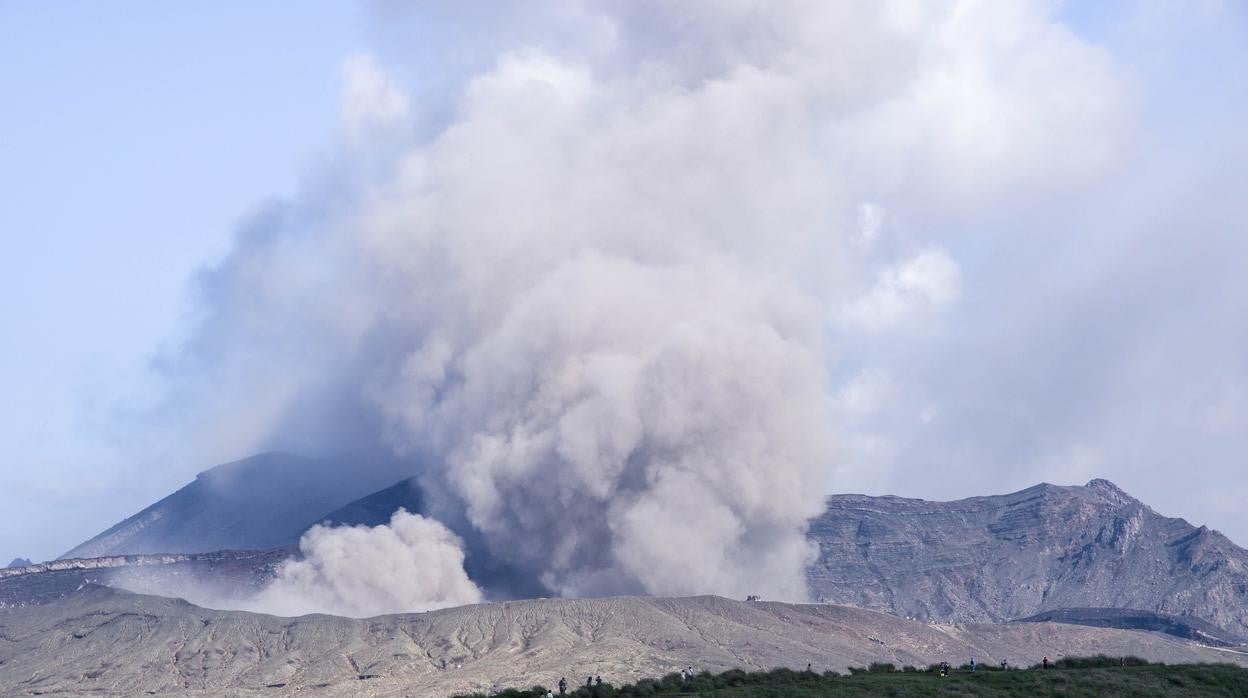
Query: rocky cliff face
pixel 1013 556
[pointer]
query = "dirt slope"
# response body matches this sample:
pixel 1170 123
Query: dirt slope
pixel 113 642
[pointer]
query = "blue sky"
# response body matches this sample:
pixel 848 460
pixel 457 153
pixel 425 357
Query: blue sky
pixel 134 140
pixel 1032 309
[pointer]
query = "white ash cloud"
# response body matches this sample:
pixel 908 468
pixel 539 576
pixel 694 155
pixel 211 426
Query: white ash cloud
pixel 412 564
pixel 1097 332
pixel 590 284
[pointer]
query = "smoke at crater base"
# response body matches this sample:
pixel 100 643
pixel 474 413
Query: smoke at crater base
pixel 410 564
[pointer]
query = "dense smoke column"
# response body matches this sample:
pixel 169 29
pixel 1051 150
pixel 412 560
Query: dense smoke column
pixel 621 376
pixel 590 287
pixel 634 429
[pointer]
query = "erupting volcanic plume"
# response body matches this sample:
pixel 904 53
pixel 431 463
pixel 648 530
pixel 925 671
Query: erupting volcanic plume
pixel 589 286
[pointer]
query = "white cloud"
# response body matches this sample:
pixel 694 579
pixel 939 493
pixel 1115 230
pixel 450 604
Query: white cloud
pixel 904 292
pixel 1003 103
pixel 369 100
pixel 868 392
pixel 871 219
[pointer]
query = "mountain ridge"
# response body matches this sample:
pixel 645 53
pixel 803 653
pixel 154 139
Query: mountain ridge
pixel 988 558
pixel 1046 547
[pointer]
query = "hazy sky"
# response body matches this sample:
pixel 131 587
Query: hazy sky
pixel 1038 272
pixel 135 137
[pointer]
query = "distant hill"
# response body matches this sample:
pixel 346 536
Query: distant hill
pixel 1016 555
pixel 19 562
pixel 265 501
pixel 1047 548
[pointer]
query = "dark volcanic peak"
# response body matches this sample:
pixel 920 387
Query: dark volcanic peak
pixel 1012 556
pixel 265 501
pixel 376 509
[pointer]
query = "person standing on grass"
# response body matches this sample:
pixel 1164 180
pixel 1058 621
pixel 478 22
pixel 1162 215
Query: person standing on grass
pixel 1046 662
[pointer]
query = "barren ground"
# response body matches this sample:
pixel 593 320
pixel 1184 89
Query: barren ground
pixel 105 641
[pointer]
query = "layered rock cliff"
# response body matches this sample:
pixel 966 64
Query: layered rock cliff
pixel 1013 556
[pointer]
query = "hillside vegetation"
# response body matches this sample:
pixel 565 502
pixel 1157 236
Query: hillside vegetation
pixel 1086 676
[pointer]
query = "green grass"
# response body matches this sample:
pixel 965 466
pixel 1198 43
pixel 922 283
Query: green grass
pixel 1084 676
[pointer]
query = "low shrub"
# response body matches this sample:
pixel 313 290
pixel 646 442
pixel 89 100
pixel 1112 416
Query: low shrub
pixel 1099 675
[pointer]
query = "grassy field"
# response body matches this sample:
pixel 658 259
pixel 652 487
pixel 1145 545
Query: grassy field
pixel 1093 676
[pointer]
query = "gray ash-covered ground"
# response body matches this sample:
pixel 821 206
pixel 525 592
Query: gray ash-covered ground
pixel 104 641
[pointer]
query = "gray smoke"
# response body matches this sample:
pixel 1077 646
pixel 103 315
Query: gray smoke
pixel 592 284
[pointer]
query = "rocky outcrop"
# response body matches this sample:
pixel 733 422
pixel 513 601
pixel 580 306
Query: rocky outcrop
pixel 1016 555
